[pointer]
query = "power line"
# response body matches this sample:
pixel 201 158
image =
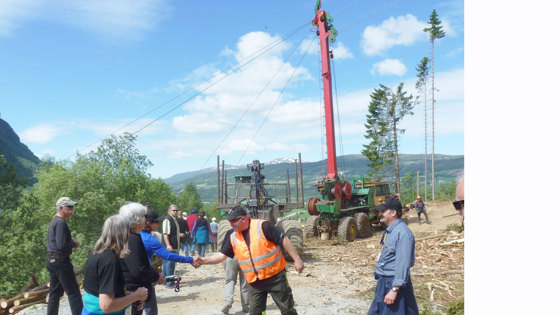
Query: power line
pixel 276 101
pixel 239 65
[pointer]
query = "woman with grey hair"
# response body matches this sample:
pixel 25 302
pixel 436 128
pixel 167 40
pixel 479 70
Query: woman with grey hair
pixel 104 284
pixel 136 267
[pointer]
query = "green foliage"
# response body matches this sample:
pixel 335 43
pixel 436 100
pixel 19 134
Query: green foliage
pixel 189 198
pixel 435 31
pixel 408 187
pixel 101 181
pixel 428 310
pixel 386 110
pixel 456 308
pixel 446 190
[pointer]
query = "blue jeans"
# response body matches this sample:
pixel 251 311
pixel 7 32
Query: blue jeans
pixel 192 247
pixel 201 249
pixel 185 248
pixel 168 269
pixel 63 280
pixel 405 303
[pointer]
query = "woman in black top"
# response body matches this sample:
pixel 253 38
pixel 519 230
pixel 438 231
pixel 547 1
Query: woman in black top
pixel 136 267
pixel 104 279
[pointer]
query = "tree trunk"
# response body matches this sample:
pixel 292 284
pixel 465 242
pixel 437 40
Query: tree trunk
pixel 433 133
pixel 397 172
pixel 425 139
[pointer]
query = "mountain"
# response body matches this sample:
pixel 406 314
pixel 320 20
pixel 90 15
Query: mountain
pixel 17 153
pixel 448 167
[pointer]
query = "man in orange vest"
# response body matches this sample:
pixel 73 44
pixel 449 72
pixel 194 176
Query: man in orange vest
pixel 256 245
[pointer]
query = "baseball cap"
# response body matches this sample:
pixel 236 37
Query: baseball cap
pixel 185 214
pixel 391 203
pixel 194 211
pixel 153 216
pixel 147 204
pixel 65 201
pixel 236 212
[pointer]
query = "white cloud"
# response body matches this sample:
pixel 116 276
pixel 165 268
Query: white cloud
pixel 403 30
pixel 41 133
pixel 388 67
pixel 341 52
pixel 115 19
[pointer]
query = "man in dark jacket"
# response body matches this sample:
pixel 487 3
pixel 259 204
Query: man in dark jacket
pixel 61 270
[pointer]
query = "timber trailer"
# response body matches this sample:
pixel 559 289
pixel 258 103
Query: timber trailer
pixel 346 207
pixel 251 192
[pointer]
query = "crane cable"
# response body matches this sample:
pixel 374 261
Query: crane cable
pixel 276 101
pixel 251 104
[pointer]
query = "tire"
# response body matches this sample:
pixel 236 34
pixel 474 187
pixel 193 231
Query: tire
pixel 310 229
pixel 292 230
pixel 347 229
pixel 363 225
pixel 223 227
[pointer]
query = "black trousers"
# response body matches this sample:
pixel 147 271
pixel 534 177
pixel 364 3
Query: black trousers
pixel 63 280
pixel 278 288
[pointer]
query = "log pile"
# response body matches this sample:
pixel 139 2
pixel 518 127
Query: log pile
pixel 31 294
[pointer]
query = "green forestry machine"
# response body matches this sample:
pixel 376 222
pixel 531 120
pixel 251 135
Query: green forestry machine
pixel 345 207
pixel 259 203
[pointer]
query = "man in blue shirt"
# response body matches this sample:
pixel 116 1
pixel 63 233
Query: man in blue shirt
pixel 394 293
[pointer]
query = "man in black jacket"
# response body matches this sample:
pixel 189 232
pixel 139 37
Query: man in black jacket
pixel 61 270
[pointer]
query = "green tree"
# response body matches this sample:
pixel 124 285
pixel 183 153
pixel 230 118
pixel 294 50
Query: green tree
pixel 385 112
pixel 422 74
pixel 435 31
pixel 101 181
pixel 189 198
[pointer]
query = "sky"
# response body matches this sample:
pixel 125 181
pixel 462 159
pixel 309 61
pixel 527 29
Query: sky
pixel 196 79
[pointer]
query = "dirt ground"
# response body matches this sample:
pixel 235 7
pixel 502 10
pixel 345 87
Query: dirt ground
pixel 337 278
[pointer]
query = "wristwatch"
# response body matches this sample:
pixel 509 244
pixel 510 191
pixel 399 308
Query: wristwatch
pixel 395 289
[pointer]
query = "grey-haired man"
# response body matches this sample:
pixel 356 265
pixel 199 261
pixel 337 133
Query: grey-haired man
pixel 61 270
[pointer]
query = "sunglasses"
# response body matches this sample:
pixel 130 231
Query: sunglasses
pixel 458 203
pixel 175 210
pixel 235 220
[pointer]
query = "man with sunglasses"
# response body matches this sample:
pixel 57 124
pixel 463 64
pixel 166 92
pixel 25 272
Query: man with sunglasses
pixel 394 293
pixel 61 270
pixel 171 236
pixel 459 202
pixel 256 245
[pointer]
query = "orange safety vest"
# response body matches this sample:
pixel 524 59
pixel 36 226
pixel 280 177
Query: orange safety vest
pixel 263 260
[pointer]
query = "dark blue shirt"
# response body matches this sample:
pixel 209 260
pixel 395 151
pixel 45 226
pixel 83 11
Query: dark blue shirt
pixel 153 246
pixel 397 255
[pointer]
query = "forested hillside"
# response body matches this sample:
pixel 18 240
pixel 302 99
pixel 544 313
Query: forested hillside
pixel 448 167
pixel 17 153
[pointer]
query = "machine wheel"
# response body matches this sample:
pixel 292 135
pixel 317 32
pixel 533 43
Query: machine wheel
pixel 363 225
pixel 223 227
pixel 347 229
pixel 310 229
pixel 292 230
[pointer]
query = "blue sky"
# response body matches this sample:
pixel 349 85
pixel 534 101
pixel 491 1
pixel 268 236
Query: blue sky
pixel 74 72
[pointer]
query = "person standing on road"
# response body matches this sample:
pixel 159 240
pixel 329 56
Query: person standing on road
pixel 136 267
pixel 394 293
pixel 201 234
pixel 233 271
pixel 104 283
pixel 61 270
pixel 183 232
pixel 256 245
pixel 171 237
pixel 190 222
pixel 420 207
pixel 214 235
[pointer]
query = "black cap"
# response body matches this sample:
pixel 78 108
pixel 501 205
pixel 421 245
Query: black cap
pixel 236 212
pixel 194 210
pixel 147 204
pixel 391 203
pixel 153 216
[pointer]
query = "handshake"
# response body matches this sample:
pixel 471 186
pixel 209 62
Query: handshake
pixel 197 262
